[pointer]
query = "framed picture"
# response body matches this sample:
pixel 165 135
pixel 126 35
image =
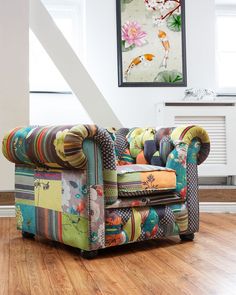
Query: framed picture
pixel 151 43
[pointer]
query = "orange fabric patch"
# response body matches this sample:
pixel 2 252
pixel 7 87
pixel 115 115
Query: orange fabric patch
pixel 141 159
pixel 157 180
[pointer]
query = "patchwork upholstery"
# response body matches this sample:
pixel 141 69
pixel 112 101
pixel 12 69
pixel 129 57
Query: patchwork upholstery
pixel 136 180
pixel 63 205
pixel 137 224
pixel 62 147
pixel 67 180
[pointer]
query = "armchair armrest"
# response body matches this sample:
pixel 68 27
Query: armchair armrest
pixel 191 144
pixel 62 147
pixel 186 135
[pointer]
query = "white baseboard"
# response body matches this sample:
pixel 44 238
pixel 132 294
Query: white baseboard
pixel 218 207
pixel 208 207
pixel 7 211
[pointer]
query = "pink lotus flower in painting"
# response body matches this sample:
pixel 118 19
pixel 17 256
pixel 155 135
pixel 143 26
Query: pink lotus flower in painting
pixel 132 34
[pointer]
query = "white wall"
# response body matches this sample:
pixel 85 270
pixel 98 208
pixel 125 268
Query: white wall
pixel 136 106
pixel 14 106
pixel 57 109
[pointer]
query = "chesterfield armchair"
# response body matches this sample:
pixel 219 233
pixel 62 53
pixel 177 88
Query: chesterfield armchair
pixel 93 188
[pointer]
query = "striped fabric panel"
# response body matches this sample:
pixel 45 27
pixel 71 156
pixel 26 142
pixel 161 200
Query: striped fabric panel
pixel 41 149
pixel 24 184
pixel 181 216
pixel 94 156
pixel 24 195
pixel 49 224
pixel 138 192
pixel 48 175
pixel 185 131
pixel 142 201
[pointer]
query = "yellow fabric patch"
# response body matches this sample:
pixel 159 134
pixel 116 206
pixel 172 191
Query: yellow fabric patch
pixel 133 226
pixel 48 194
pixel 187 133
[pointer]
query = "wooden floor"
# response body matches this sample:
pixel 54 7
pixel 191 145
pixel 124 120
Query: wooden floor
pixel 206 266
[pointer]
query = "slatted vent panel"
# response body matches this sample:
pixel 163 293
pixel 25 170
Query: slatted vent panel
pixel 216 128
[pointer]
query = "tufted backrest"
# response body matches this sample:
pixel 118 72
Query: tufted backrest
pixel 143 146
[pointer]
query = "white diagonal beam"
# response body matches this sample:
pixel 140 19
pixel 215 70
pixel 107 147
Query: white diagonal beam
pixel 70 66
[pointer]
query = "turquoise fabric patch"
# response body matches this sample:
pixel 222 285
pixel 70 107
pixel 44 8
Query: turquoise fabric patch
pixel 93 152
pixel 177 161
pixel 25 216
pixel 193 151
pixel 19 145
pixel 151 221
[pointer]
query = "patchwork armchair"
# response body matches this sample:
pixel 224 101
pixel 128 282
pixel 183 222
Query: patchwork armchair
pixel 93 188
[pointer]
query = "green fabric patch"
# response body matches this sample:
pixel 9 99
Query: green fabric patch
pixel 75 231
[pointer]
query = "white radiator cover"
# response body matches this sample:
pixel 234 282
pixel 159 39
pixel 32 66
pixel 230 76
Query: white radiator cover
pixel 219 120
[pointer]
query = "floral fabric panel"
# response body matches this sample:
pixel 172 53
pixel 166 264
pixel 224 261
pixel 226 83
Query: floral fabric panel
pixel 177 161
pixel 182 154
pixel 74 192
pixel 193 151
pixel 137 179
pixel 128 225
pixel 96 217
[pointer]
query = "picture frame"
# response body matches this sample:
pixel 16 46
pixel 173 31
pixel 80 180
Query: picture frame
pixel 151 51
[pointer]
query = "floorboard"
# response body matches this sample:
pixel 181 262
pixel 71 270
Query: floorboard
pixel 18 269
pixel 4 255
pixel 168 266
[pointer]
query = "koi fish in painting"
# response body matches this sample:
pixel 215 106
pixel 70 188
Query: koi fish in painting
pixel 136 61
pixel 166 44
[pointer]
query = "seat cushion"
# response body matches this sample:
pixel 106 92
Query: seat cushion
pixel 137 180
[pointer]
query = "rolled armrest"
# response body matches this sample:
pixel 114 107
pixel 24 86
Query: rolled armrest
pixel 62 147
pixel 186 134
